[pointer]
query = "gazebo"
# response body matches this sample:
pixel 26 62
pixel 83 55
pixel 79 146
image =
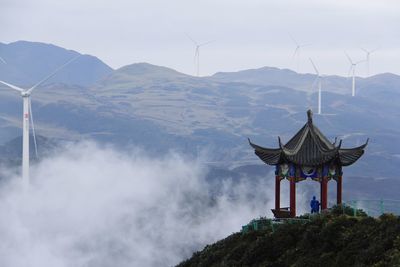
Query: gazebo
pixel 308 154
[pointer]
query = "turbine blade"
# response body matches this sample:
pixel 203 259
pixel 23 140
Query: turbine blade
pixel 365 50
pixel 33 128
pixel 206 43
pixel 351 68
pixel 348 57
pixel 190 38
pixel 295 53
pixel 315 68
pixel 294 40
pixel 374 50
pixel 2 60
pixel 13 87
pixel 53 73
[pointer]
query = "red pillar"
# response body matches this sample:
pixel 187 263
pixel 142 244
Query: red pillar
pixel 293 197
pixel 324 193
pixel 277 193
pixel 339 190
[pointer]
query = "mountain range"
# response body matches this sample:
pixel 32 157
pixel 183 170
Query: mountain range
pixel 160 109
pixel 26 63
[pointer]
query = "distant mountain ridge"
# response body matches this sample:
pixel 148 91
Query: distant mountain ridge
pixel 140 74
pixel 266 76
pixel 159 109
pixel 29 62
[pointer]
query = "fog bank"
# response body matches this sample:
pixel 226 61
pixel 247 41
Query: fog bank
pixel 94 206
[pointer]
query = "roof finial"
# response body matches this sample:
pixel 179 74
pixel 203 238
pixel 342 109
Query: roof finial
pixel 280 142
pixel 334 143
pixel 340 143
pixel 309 115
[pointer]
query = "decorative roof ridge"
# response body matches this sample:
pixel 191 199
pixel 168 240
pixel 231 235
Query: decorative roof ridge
pixel 280 143
pixel 263 148
pixel 314 132
pixel 316 137
pixel 340 144
pixel 356 148
pixel 334 143
pixel 298 144
pixel 303 134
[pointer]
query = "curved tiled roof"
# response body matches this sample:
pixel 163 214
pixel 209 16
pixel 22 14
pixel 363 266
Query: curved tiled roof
pixel 309 147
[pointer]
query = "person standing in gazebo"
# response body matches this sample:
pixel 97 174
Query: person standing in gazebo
pixel 314 205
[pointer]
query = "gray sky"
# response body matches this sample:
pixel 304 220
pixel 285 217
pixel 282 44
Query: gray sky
pixel 245 34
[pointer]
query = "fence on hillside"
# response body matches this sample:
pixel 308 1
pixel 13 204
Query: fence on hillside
pixel 375 207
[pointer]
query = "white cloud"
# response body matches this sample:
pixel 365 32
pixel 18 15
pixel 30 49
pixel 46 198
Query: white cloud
pixel 94 206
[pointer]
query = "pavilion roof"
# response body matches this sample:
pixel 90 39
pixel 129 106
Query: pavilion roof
pixel 309 147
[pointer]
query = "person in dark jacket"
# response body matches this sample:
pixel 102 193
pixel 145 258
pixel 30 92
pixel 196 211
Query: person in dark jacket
pixel 314 205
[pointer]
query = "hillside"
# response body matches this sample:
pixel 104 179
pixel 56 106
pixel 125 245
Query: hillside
pixel 329 240
pixel 159 109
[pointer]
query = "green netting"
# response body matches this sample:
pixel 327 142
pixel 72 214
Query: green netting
pixel 263 223
pixel 375 207
pixel 359 207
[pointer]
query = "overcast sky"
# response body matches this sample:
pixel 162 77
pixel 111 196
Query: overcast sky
pixel 245 34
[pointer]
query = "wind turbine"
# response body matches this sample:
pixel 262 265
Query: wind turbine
pixel 368 53
pixel 353 69
pixel 3 61
pixel 27 114
pixel 319 79
pixel 296 54
pixel 197 54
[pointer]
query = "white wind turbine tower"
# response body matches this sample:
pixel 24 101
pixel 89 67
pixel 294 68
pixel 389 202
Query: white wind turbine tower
pixel 368 53
pixel 27 115
pixel 319 79
pixel 353 69
pixel 296 54
pixel 197 54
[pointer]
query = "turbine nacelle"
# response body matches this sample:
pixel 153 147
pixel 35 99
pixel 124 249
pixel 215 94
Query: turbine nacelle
pixel 25 93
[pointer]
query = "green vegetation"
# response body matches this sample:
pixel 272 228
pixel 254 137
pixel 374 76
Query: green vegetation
pixel 335 238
